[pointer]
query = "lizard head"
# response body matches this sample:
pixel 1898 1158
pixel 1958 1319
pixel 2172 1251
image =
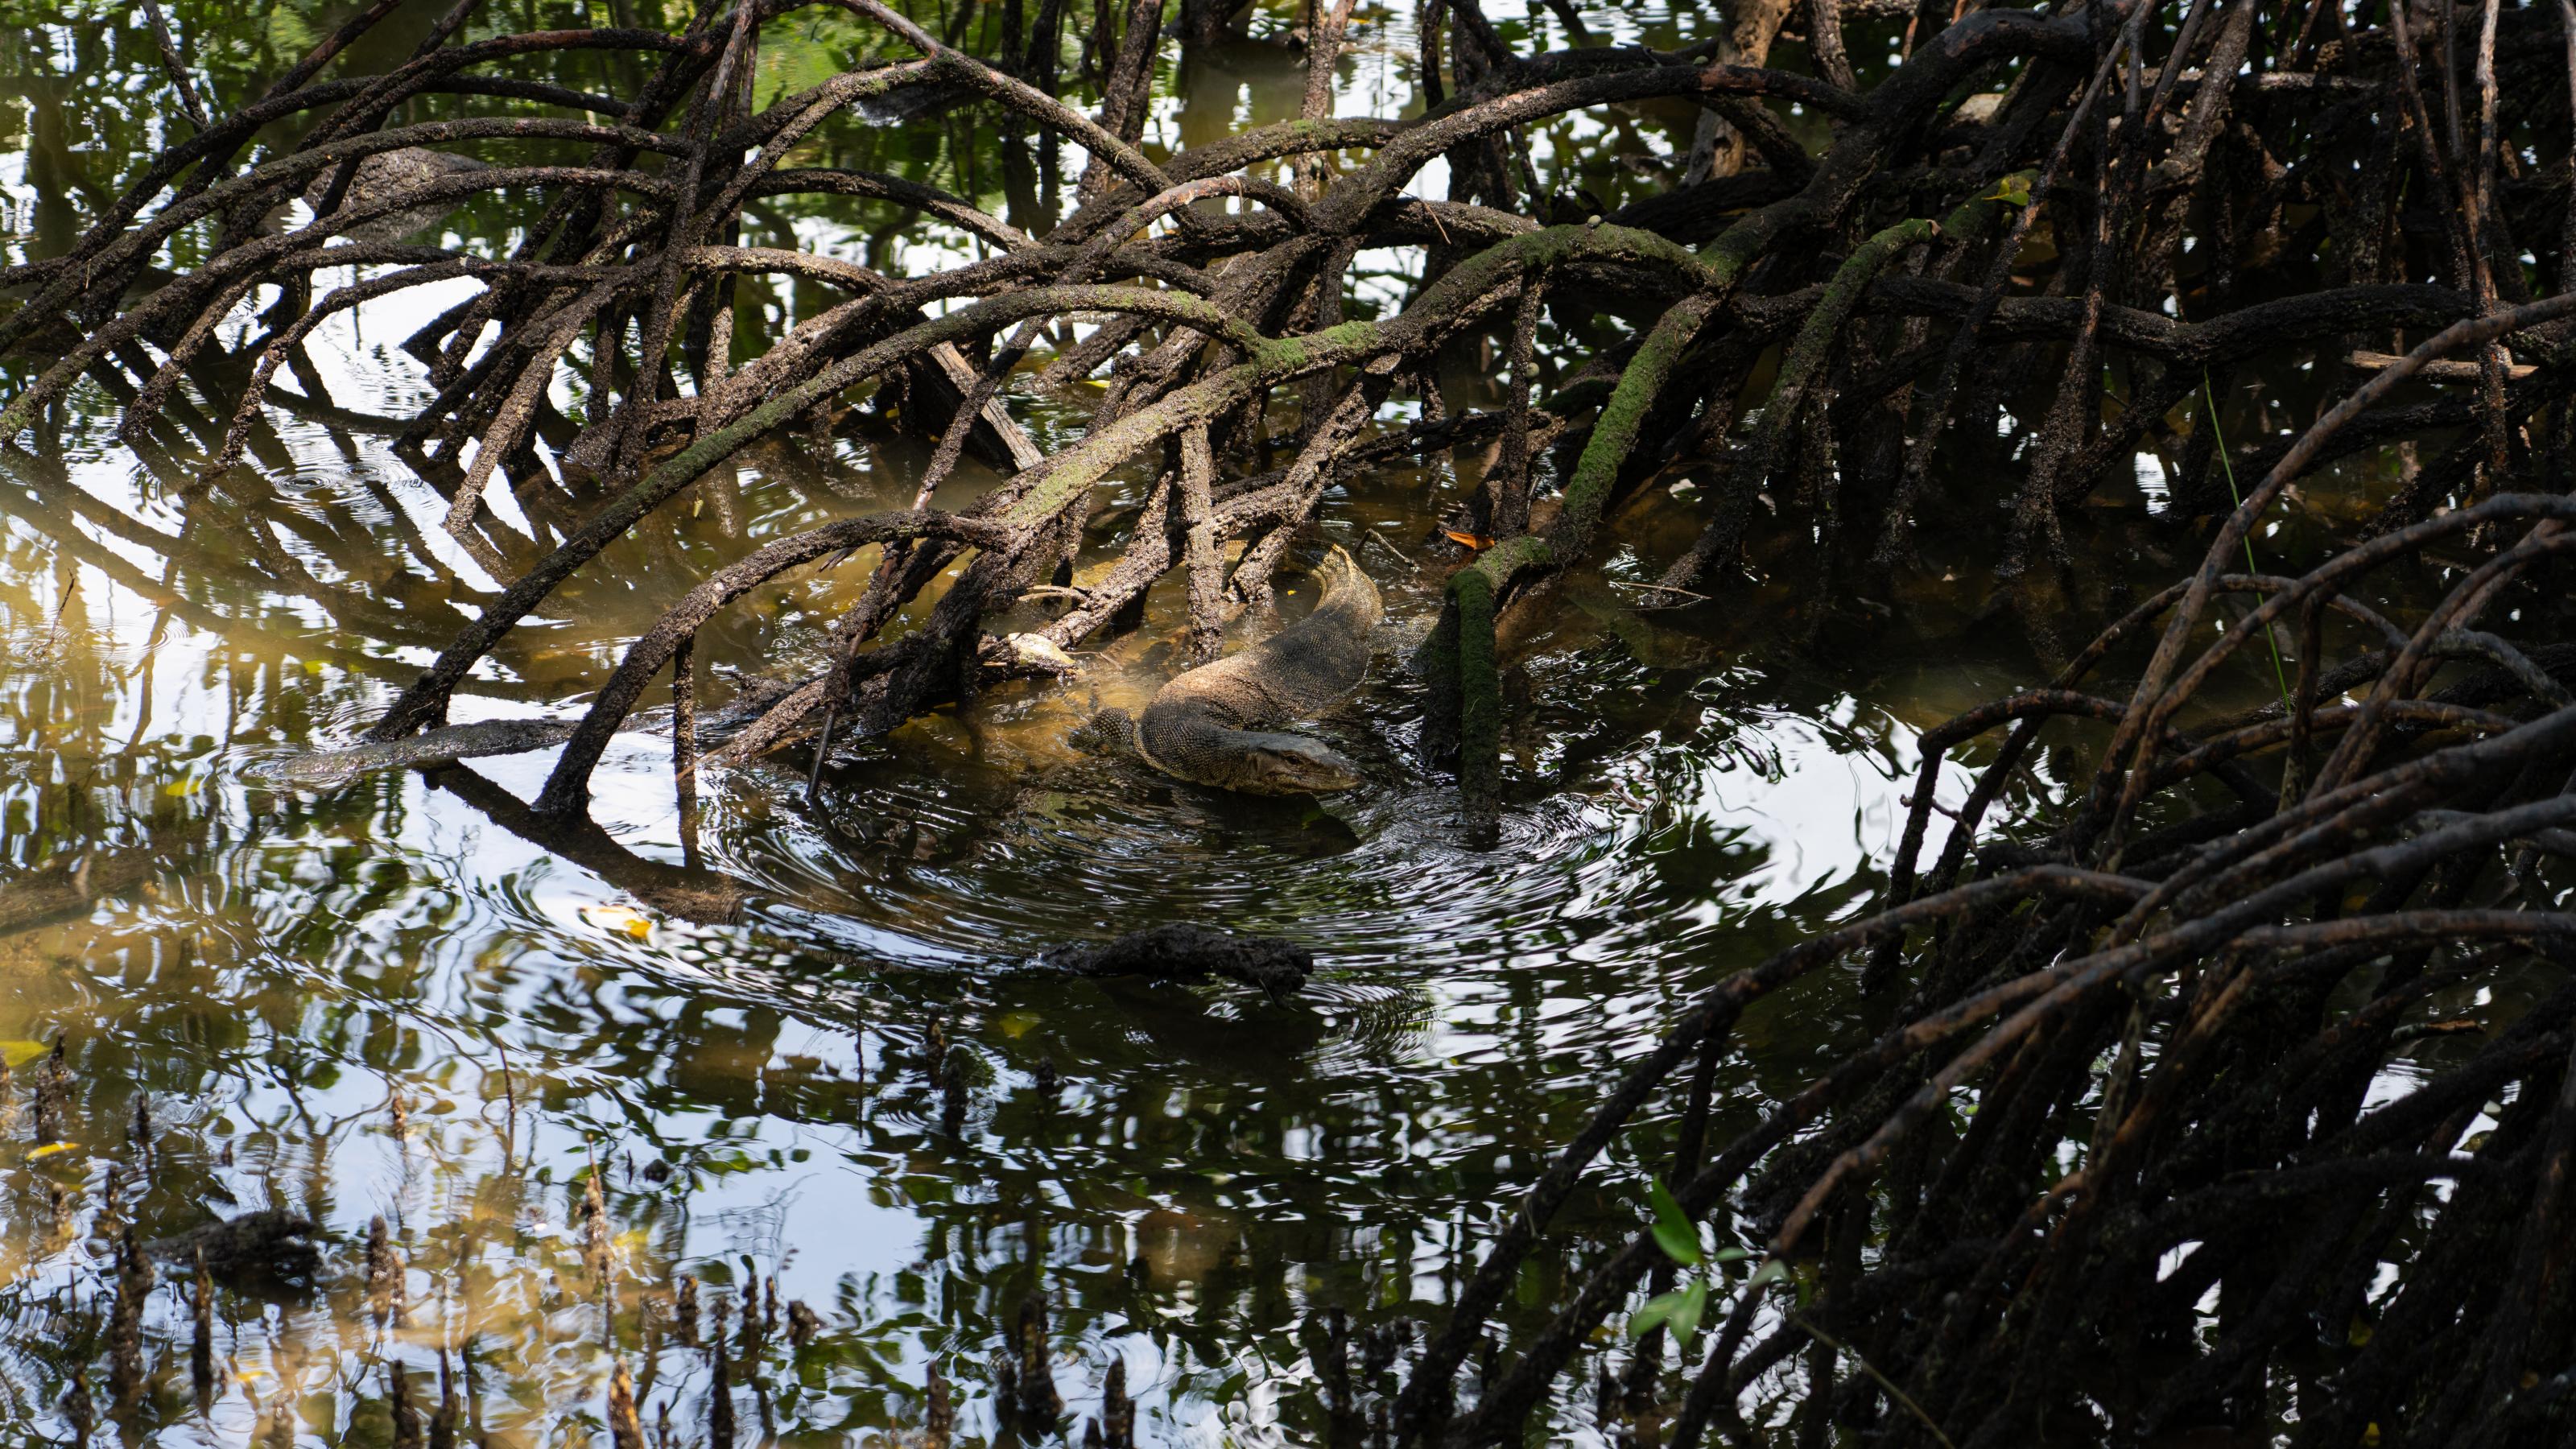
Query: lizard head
pixel 1284 764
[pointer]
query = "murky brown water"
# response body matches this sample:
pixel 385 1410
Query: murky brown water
pixel 386 1000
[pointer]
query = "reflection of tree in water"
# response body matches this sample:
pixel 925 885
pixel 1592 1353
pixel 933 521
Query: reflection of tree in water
pixel 267 997
pixel 270 1062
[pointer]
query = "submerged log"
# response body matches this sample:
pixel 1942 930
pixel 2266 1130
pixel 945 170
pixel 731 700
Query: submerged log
pixel 1182 951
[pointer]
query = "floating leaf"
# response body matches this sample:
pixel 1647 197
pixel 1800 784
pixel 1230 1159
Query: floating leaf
pixel 19 1053
pixel 1673 1231
pixel 50 1148
pixel 624 920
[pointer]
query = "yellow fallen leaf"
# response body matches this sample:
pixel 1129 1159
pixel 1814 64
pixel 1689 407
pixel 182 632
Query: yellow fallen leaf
pixel 625 920
pixel 19 1053
pixel 1016 1024
pixel 1471 540
pixel 50 1148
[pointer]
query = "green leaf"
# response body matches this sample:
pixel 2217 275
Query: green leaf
pixel 1775 1271
pixel 1730 1255
pixel 1679 1310
pixel 1673 1231
pixel 1651 1317
pixel 1686 1314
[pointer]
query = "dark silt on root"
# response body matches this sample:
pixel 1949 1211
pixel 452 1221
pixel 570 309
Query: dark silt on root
pixel 265 1245
pixel 1182 951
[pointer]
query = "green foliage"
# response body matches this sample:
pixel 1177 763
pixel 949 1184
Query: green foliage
pixel 1679 1310
pixel 1674 1232
pixel 798 58
pixel 1682 1309
pixel 288 34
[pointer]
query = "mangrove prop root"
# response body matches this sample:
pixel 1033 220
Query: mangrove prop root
pixel 625 260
